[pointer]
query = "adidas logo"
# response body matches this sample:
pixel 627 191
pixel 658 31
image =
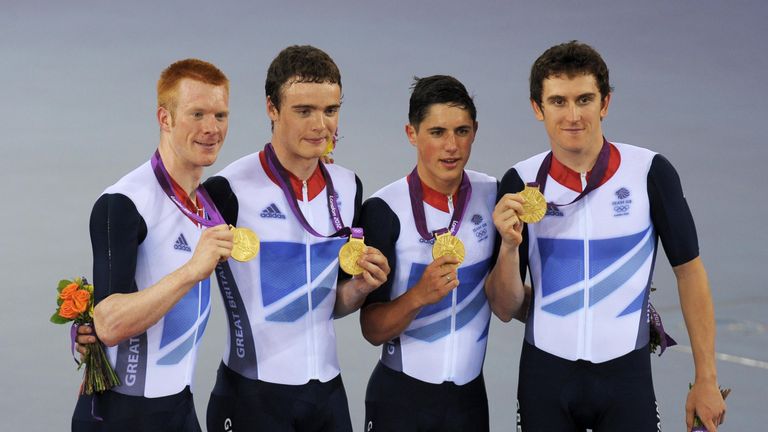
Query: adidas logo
pixel 553 211
pixel 272 212
pixel 181 244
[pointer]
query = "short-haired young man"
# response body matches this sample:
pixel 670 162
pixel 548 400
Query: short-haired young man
pixel 280 371
pixel 432 315
pixel 153 256
pixel 585 361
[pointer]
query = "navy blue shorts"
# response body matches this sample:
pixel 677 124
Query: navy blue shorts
pixel 555 394
pixel 122 413
pixel 395 401
pixel 241 404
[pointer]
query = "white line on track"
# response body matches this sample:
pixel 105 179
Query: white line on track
pixel 744 361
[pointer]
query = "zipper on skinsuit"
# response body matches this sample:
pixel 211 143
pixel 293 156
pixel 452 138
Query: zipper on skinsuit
pixel 310 319
pixel 452 336
pixel 586 337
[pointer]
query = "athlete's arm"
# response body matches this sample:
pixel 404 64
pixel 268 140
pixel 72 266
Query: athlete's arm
pixel 673 222
pixel 381 319
pixel 704 399
pixel 121 313
pixel 382 322
pixel 504 286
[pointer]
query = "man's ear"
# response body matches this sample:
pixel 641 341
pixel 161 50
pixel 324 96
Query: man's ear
pixel 537 111
pixel 164 119
pixel 411 132
pixel 604 106
pixel 272 110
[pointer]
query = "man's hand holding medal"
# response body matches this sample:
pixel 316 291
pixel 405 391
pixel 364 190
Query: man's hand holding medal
pixel 214 246
pixel 512 210
pixel 365 263
pixel 438 280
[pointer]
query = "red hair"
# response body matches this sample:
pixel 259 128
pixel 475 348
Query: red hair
pixel 198 70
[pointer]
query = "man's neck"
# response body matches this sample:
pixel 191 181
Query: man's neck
pixel 448 188
pixel 301 167
pixel 188 177
pixel 581 161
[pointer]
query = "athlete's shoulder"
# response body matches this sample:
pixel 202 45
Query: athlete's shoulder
pixel 634 160
pixel 482 183
pixel 139 186
pixel 244 167
pixel 337 170
pixel 533 161
pixel 137 178
pixel 477 177
pixel 633 151
pixel 396 189
pixel 114 205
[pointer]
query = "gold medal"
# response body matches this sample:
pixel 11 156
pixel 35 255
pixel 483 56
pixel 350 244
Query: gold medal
pixel 349 254
pixel 245 245
pixel 448 244
pixel 535 205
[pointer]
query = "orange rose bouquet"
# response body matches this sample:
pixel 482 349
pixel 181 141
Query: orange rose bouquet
pixel 75 304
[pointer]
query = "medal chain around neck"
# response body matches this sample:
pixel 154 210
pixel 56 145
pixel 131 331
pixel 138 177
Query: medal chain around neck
pixel 208 207
pixel 283 180
pixel 596 176
pixel 417 205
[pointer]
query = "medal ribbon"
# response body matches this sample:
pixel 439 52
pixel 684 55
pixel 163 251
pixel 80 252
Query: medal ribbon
pixel 283 180
pixel 665 340
pixel 598 172
pixel 357 233
pixel 164 179
pixel 73 338
pixel 417 206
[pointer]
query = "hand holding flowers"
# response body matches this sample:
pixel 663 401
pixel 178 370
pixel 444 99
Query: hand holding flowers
pixel 75 304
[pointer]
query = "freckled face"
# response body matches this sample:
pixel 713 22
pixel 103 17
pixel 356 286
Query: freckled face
pixel 199 123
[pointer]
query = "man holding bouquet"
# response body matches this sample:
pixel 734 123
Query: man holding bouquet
pixel 156 238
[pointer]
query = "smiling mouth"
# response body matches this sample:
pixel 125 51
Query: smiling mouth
pixel 572 130
pixel 204 144
pixel 451 161
pixel 317 141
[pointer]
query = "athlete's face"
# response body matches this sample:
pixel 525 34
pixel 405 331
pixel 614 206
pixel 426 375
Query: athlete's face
pixel 572 110
pixel 198 126
pixel 307 118
pixel 443 142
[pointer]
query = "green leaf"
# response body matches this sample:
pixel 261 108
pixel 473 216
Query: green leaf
pixel 63 283
pixel 58 319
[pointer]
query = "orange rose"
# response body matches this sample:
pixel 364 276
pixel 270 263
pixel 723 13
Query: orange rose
pixel 67 310
pixel 68 291
pixel 80 300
